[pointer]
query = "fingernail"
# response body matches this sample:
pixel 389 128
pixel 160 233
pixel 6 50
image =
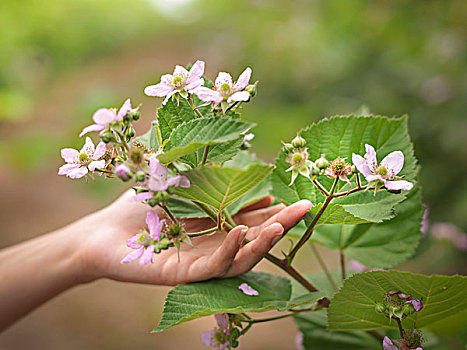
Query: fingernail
pixel 242 235
pixel 276 239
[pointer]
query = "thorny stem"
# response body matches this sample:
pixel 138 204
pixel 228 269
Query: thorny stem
pixel 194 107
pixel 284 265
pixel 324 267
pixel 202 233
pixel 205 156
pixel 230 107
pixel 306 236
pixel 273 318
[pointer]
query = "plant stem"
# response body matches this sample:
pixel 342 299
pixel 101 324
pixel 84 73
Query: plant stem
pixel 342 261
pixel 284 265
pixel 202 233
pixel 306 236
pixel 194 107
pixel 211 213
pixel 324 267
pixel 168 212
pixel 401 330
pixel 205 156
pixel 320 187
pixel 230 107
pixel 229 218
pixel 272 318
pixel 345 193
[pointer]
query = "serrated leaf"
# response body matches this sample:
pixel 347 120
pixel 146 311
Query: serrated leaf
pixel 219 187
pixel 149 139
pixel 378 245
pixel 190 136
pixel 216 154
pixel 313 325
pixel 195 300
pixel 340 137
pixel 353 307
pixel 172 114
pixel 334 214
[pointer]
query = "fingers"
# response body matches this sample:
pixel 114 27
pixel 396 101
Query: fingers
pixel 257 217
pixel 288 217
pixel 217 264
pixel 249 255
pixel 260 204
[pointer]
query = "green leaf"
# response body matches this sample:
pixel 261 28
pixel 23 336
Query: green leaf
pixel 172 114
pixel 313 325
pixel 217 153
pixel 219 187
pixel 149 139
pixel 353 307
pixel 190 136
pixel 378 245
pixel 334 214
pixel 190 301
pixel 340 137
pixel 184 209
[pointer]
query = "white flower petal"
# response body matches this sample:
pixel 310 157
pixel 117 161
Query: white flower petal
pixel 104 116
pixel 132 256
pixel 196 72
pixel 243 80
pixel 393 163
pixel 398 185
pixel 240 96
pixel 100 150
pixel 370 157
pixel 91 128
pixel 124 109
pixel 180 71
pixel 78 173
pixel 69 154
pixel 159 90
pixel 88 147
pixel 67 168
pixel 194 85
pixel 208 95
pixel 222 78
pixel 96 164
pixel 361 164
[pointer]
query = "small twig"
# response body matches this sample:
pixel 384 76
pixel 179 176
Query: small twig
pixel 230 107
pixel 284 265
pixel 320 187
pixel 401 330
pixel 194 107
pixel 202 233
pixel 306 236
pixel 205 156
pixel 169 213
pixel 342 261
pixel 272 318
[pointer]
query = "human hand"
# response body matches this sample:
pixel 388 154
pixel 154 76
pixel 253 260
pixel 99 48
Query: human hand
pixel 219 255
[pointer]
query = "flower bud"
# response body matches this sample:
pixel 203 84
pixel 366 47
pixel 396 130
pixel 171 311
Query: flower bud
pixel 408 309
pixel 322 163
pixel 162 196
pixel 298 142
pixel 174 230
pixel 123 172
pixel 315 171
pixel 140 176
pixel 380 308
pixel 251 89
pixel 287 148
pixel 136 156
pixel 152 202
pixel 107 136
pixel 131 131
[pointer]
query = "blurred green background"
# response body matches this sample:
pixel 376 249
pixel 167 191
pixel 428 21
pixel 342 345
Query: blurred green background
pixel 61 60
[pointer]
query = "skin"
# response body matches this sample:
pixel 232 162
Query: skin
pixel 92 247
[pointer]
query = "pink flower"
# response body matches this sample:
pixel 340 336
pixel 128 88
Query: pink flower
pixel 339 168
pixel 180 81
pixel 388 345
pixel 104 116
pixel 417 304
pixel 386 172
pixel 144 240
pixel 248 290
pixel 123 172
pixel 217 338
pixel 158 181
pixel 80 162
pixel 226 89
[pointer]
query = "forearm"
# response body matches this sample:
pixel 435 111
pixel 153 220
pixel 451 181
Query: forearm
pixel 35 271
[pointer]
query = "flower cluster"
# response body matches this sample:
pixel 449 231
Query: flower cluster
pixel 184 83
pixel 398 304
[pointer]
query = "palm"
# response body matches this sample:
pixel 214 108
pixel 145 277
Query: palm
pixel 217 255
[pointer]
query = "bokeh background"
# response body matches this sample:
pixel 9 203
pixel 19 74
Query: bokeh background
pixel 61 60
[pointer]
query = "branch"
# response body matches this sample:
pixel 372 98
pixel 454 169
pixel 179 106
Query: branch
pixel 194 107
